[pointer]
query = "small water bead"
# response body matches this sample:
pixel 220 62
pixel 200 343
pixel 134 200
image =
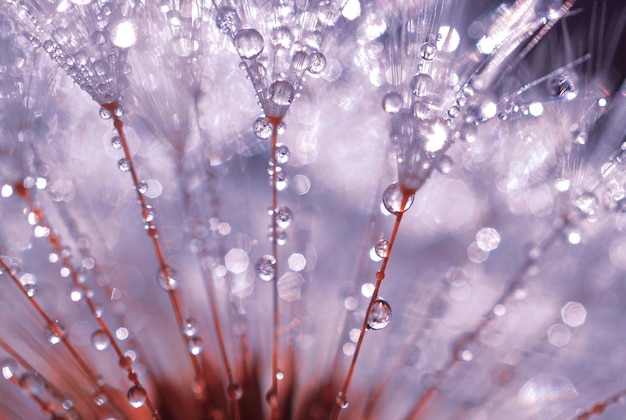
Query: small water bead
pixel 393 198
pixel 142 187
pixel 282 37
pixel 166 280
pixel 563 86
pixel 488 239
pixel 282 154
pixel 280 236
pixel 100 399
pixel 190 327
pixel 116 142
pixel 281 180
pixel 195 345
pixel 444 164
pixel 55 333
pixel 422 85
pixel 227 20
pixel 105 113
pixel 454 111
pixel 100 340
pixel 379 315
pixel 281 93
pixel 137 396
pixel 382 248
pixel 248 42
pixel 148 214
pixel 67 404
pixel 100 67
pixel 341 401
pixel 123 164
pixel 32 382
pixel 262 128
pixel 428 50
pixel 283 216
pixel 280 375
pixel 8 367
pixel 317 62
pixel 392 103
pixel 77 293
pixel 587 203
pixel 234 391
pixel 266 268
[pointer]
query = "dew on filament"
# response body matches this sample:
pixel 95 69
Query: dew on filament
pixel 393 198
pixel 379 315
pixel 266 268
pixel 100 340
pixel 137 396
pixel 248 42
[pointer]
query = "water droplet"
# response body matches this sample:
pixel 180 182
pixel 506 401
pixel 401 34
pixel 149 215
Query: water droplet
pixel 32 382
pixel 281 92
pixel 100 340
pixel 428 50
pixel 190 327
pixel 464 348
pixel 445 164
pixel 563 86
pixel 282 37
pixel 379 315
pixel 266 268
pixel 248 42
pixel 142 187
pixel 282 154
pixel 166 279
pixel 227 20
pixel 422 85
pixel 392 102
pixel 454 111
pixel 587 203
pixel 487 239
pixel 137 396
pixel 195 345
pixel 67 404
pixel 99 38
pixel 341 401
pixel 393 198
pixel 317 62
pixel 382 248
pixel 148 214
pixel 280 375
pixel 100 399
pixel 105 114
pixel 8 367
pixel 468 133
pixel 283 216
pixel 234 391
pixel 116 142
pixel 55 333
pixel 262 128
pixel 123 164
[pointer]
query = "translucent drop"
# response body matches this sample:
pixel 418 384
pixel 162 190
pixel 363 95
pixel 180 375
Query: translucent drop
pixel 8 367
pixel 100 399
pixel 55 333
pixel 234 391
pixel 100 340
pixel 142 187
pixel 468 133
pixel 380 315
pixel 262 128
pixel 123 164
pixel 281 92
pixel 67 404
pixel 392 102
pixel 454 111
pixel 149 214
pixel 249 43
pixel 488 239
pixel 382 248
pixel 341 401
pixel 105 114
pixel 282 154
pixel 32 382
pixel 422 85
pixel 99 38
pixel 283 216
pixel 282 37
pixel 266 268
pixel 227 20
pixel 190 327
pixel 280 375
pixel 195 345
pixel 116 142
pixel 137 396
pixel 393 198
pixel 167 281
pixel 281 180
pixel 563 86
pixel 317 62
pixel 445 164
pixel 428 50
pixel 587 203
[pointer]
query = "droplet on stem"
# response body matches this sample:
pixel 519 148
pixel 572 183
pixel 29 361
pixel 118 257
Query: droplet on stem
pixel 248 42
pixel 393 198
pixel 379 315
pixel 137 396
pixel 100 340
pixel 266 268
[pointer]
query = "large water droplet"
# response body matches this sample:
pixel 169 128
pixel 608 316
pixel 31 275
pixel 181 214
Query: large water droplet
pixel 422 85
pixel 124 165
pixel 190 327
pixel 283 216
pixel 249 43
pixel 281 93
pixel 564 86
pixel 392 103
pixel 382 248
pixel 317 62
pixel 262 128
pixel 137 396
pixel 282 154
pixel 195 345
pixel 266 268
pixel 100 340
pixel 167 280
pixel 428 50
pixel 55 333
pixel 379 315
pixel 393 198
